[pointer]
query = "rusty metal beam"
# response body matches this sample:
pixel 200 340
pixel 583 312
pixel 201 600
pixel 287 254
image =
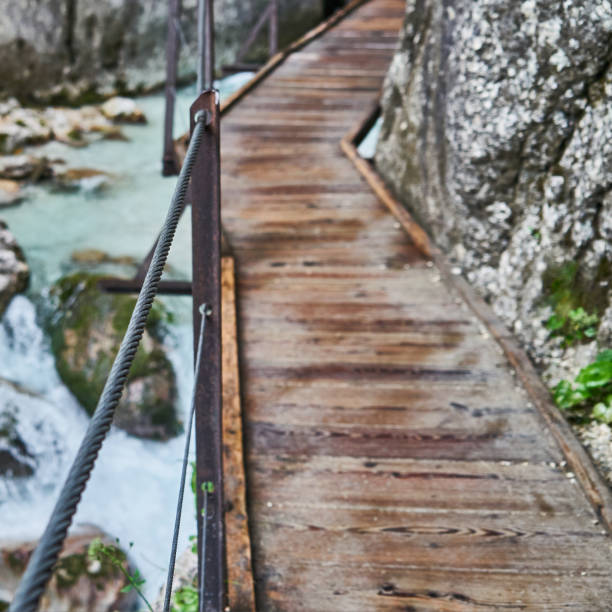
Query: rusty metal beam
pixel 134 285
pixel 206 265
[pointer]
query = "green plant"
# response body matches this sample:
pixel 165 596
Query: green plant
pixel 100 551
pixel 577 325
pixel 185 599
pixel 591 393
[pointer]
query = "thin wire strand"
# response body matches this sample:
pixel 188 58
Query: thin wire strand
pixel 179 504
pixel 202 584
pixel 43 559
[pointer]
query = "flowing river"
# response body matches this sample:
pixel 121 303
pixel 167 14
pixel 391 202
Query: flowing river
pixel 133 489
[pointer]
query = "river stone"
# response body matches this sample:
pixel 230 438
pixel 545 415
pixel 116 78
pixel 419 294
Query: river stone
pixel 82 179
pixel 497 134
pixel 78 584
pixel 86 327
pixel 14 271
pixel 15 457
pixel 122 110
pixel 10 193
pixel 78 50
pixel 24 167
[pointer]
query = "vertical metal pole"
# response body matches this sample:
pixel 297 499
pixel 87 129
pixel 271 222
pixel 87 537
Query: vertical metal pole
pixel 201 38
pixel 206 249
pixel 206 45
pixel 169 165
pixel 273 31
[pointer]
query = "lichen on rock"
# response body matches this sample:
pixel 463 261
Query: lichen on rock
pixel 497 133
pixel 86 327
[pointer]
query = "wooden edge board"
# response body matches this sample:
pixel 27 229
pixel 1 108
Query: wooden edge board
pixel 281 56
pixel 578 460
pixel 348 145
pixel 241 590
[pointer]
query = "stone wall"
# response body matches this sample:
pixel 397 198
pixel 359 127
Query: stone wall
pixel 62 50
pixel 497 135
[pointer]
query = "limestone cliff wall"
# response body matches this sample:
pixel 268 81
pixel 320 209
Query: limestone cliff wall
pixel 68 48
pixel 497 135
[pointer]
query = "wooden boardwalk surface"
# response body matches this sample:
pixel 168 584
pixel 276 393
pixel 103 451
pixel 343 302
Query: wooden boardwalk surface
pixel 393 462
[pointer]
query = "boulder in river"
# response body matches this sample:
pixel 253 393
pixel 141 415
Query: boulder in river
pixel 25 167
pixel 96 257
pixel 82 179
pixel 86 327
pixel 14 271
pixel 21 127
pixel 79 583
pixel 123 110
pixel 10 193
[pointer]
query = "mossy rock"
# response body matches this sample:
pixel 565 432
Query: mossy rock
pixel 79 582
pixel 86 326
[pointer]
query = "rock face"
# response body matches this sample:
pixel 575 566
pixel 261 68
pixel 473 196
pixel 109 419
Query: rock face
pixel 14 271
pixel 86 327
pixel 79 49
pixel 497 134
pixel 78 582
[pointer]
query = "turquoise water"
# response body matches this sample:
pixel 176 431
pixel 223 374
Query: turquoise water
pixel 132 493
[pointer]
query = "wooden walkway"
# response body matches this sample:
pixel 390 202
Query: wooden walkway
pixel 393 461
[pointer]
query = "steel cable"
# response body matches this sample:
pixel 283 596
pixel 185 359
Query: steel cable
pixel 179 504
pixel 43 559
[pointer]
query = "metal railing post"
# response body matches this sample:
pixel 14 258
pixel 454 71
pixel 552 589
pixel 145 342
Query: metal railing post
pixel 206 265
pixel 169 165
pixel 273 28
pixel 206 45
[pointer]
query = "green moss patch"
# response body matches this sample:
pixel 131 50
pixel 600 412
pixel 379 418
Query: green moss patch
pixel 577 302
pixel 86 328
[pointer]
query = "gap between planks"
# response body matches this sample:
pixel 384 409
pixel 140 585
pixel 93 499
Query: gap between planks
pixel 240 590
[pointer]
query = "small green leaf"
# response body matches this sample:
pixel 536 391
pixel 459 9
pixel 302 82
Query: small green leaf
pixel 602 413
pixel 596 374
pixel 555 323
pixel 567 396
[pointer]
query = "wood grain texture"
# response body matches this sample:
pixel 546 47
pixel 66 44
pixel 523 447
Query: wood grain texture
pixel 395 460
pixel 240 587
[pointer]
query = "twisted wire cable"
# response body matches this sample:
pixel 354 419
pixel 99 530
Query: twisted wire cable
pixel 179 504
pixel 40 567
